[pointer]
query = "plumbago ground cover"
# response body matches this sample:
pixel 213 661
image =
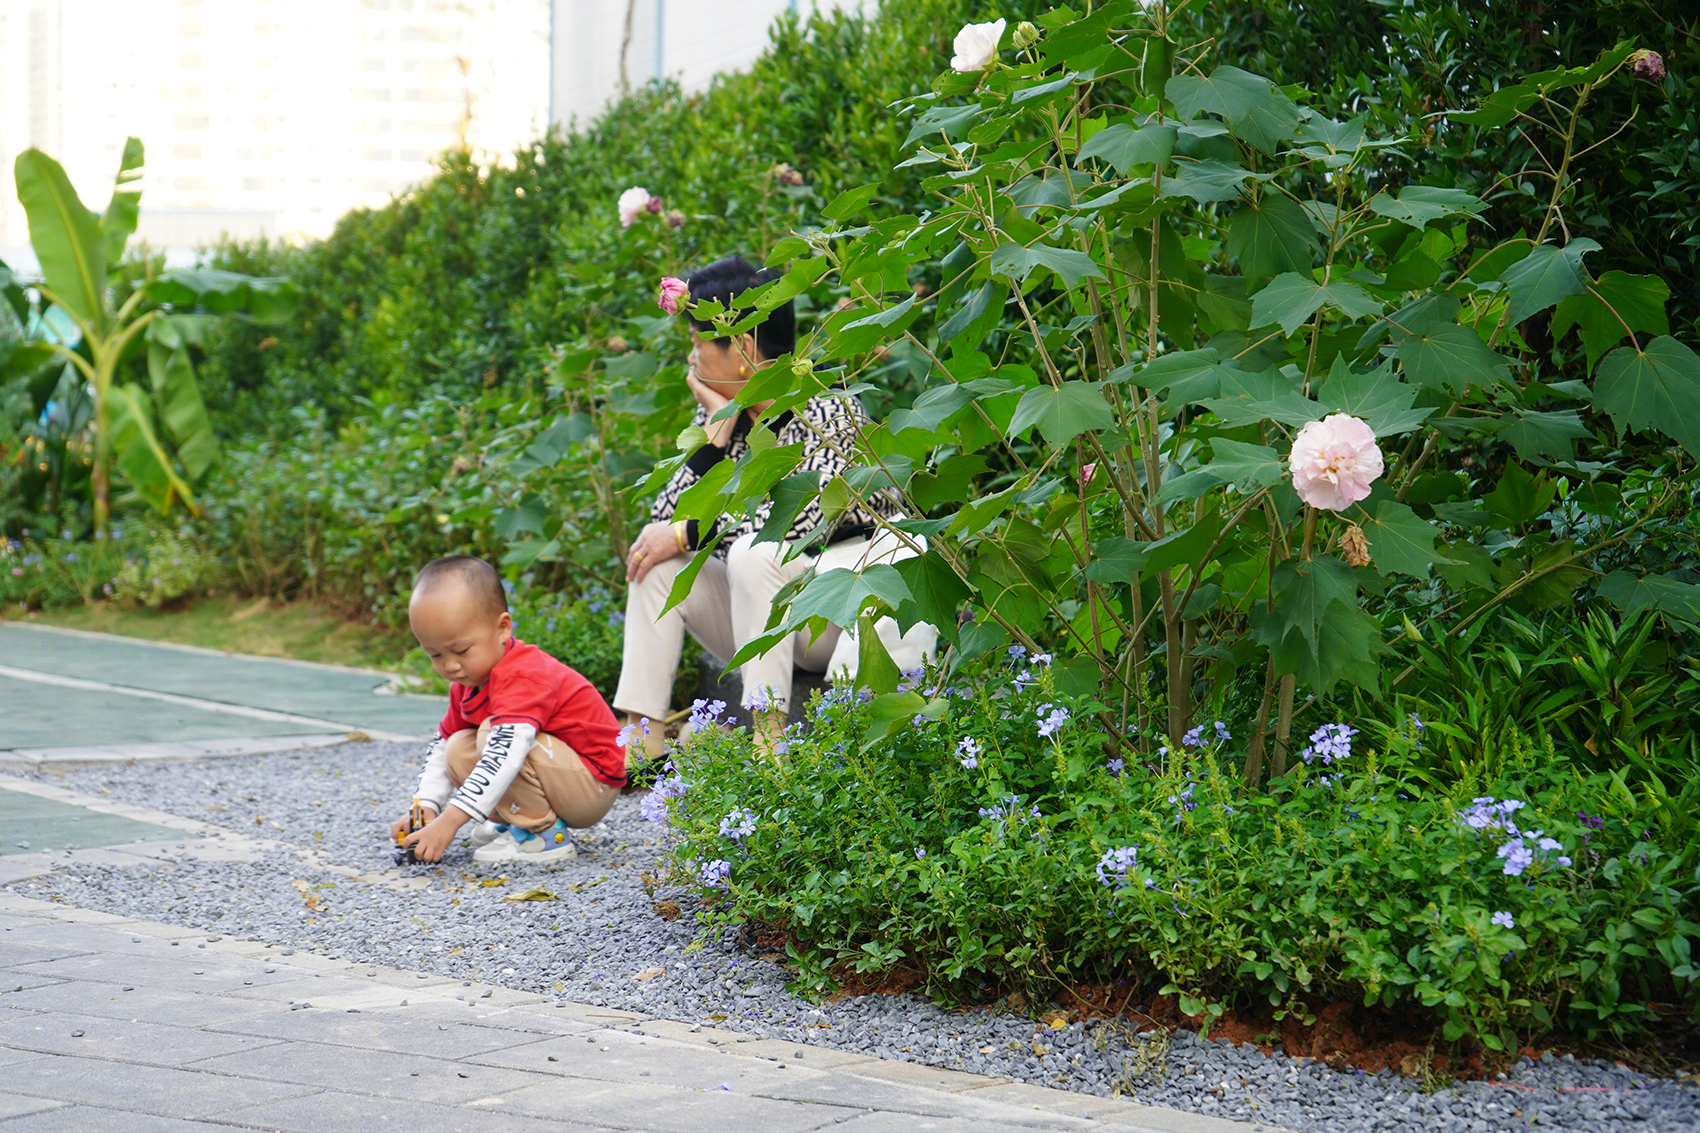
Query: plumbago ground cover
pixel 1252 448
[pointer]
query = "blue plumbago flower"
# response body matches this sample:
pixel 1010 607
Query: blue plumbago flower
pixel 1504 919
pixel 632 734
pixel 1416 722
pixel 1485 813
pixel 1008 809
pixel 716 873
pixel 617 618
pixel 1115 766
pixel 1023 679
pixel 920 853
pixel 594 607
pixel 1222 732
pixel 1518 857
pixel 1113 867
pixel 1051 718
pixel 1329 743
pixel 968 752
pixel 782 747
pixel 653 808
pixel 911 678
pixel 758 700
pixel 1194 737
pixel 1041 659
pixel 1184 800
pixel 1016 653
pixel 738 824
pixel 706 712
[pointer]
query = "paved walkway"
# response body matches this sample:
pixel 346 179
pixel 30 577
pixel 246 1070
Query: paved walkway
pixel 108 1022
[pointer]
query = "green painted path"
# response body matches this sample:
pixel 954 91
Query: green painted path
pixel 31 823
pixel 62 689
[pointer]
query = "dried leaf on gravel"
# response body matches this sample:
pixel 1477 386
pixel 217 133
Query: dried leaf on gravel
pixel 668 910
pixel 533 895
pixel 492 882
pixel 650 973
pixel 307 894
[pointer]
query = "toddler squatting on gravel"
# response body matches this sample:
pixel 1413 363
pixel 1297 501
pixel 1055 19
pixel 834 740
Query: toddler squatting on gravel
pixel 528 748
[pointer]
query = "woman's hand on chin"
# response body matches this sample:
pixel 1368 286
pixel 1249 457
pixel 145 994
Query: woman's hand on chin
pixel 655 543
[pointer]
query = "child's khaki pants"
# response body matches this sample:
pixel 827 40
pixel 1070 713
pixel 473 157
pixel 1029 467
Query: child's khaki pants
pixel 554 782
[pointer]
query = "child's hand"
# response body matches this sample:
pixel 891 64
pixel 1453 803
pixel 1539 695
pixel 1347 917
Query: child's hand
pixel 430 843
pixel 400 827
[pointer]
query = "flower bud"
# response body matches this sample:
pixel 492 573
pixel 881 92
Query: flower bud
pixel 675 218
pixel 1648 65
pixel 1026 35
pixel 618 345
pixel 653 205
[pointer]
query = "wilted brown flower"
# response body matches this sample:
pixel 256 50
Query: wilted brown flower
pixel 618 345
pixel 1355 547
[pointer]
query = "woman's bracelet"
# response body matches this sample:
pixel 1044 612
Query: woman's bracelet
pixel 679 534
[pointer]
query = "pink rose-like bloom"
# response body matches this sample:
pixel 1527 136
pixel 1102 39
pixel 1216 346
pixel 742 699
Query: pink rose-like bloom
pixel 632 202
pixel 1333 462
pixel 673 290
pixel 1086 472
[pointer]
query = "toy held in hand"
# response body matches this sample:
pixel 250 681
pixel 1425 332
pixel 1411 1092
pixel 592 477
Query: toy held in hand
pixel 416 821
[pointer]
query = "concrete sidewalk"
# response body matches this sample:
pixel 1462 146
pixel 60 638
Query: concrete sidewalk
pixel 109 1023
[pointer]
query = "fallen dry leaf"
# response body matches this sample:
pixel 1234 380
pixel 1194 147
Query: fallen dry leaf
pixel 1055 1020
pixel 534 895
pixel 988 1050
pixel 668 910
pixel 307 894
pixel 650 973
pixel 492 882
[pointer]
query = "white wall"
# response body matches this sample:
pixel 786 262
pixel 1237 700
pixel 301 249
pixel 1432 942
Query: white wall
pixel 698 40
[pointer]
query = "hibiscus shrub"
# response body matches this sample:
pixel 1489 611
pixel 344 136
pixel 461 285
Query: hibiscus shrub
pixel 1210 407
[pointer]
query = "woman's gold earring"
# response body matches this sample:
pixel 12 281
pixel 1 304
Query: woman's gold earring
pixel 743 370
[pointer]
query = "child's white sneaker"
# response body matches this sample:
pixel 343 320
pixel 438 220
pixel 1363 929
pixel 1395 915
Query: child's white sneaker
pixel 518 844
pixel 486 832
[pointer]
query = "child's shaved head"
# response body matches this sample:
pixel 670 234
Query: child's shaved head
pixel 464 571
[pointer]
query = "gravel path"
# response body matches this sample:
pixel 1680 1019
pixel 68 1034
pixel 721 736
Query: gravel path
pixel 601 941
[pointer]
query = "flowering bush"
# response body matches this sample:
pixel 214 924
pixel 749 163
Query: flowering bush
pixel 981 850
pixel 167 566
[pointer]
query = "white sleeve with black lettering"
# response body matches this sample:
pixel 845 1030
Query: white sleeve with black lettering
pixel 504 753
pixel 435 786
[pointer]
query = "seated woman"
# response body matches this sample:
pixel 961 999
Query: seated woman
pixel 732 596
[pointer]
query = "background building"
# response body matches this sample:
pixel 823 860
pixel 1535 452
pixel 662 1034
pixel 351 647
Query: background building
pixel 263 116
pixel 275 117
pixel 599 42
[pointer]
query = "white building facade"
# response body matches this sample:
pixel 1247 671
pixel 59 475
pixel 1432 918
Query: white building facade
pixel 263 117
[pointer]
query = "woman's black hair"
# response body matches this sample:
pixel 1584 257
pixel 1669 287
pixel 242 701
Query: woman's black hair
pixel 726 279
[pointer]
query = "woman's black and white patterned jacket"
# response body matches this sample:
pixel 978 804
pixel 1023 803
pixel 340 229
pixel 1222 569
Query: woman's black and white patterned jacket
pixel 827 427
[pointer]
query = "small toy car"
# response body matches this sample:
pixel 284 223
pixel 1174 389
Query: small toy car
pixel 415 821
